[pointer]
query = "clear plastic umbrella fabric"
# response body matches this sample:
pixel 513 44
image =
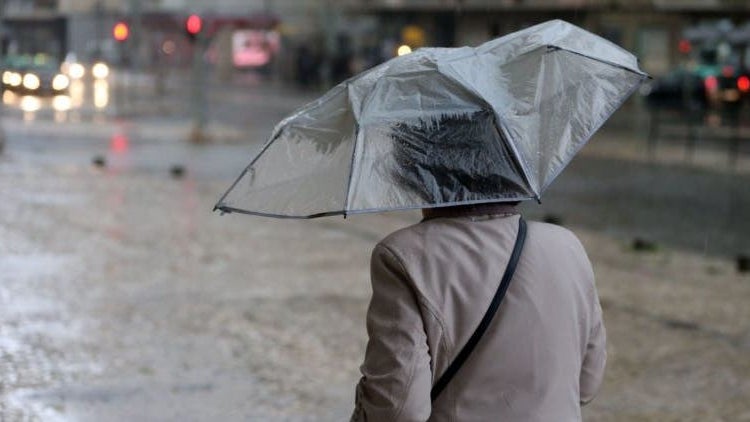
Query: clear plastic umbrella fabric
pixel 441 127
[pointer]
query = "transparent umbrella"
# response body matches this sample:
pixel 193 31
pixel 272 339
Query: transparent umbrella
pixel 442 127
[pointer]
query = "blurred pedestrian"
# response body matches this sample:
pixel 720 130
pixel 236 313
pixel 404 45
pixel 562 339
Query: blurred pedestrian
pixel 341 61
pixel 307 66
pixel 542 355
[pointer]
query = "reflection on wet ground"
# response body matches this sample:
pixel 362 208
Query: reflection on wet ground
pixel 83 96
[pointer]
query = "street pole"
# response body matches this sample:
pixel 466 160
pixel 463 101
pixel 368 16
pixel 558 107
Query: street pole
pixel 136 34
pixel 198 91
pixel 2 53
pixel 330 27
pixel 134 53
pixel 98 22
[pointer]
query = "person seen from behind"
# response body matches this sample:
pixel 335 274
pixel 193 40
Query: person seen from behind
pixel 543 353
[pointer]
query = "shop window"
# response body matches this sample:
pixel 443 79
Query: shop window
pixel 46 4
pixel 653 49
pixel 612 33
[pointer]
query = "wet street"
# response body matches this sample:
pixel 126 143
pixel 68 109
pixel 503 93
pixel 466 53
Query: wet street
pixel 123 297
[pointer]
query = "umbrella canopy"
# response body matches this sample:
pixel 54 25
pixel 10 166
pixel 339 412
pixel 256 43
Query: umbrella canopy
pixel 441 127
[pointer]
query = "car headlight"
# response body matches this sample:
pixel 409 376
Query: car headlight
pixel 60 82
pixel 31 81
pixel 6 77
pixel 403 50
pixel 100 70
pixel 14 79
pixel 76 70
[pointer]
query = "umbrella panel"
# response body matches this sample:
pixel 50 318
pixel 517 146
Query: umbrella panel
pixel 548 102
pixel 573 96
pixel 303 171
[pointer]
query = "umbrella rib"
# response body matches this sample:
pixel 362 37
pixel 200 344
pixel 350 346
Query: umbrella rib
pixel 219 205
pixel 619 66
pixel 354 155
pixel 351 173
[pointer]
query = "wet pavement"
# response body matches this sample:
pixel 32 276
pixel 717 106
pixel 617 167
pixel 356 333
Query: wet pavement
pixel 123 297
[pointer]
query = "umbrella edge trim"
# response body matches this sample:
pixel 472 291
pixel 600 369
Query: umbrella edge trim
pixel 225 209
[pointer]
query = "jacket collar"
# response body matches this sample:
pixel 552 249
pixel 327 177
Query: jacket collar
pixel 495 208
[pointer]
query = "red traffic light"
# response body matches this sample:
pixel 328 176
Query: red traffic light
pixel 194 24
pixel 743 83
pixel 684 46
pixel 120 31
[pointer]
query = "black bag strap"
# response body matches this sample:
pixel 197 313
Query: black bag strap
pixel 494 305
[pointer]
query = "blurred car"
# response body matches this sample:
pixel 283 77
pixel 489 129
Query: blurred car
pixel 72 67
pixel 703 85
pixel 38 76
pixel 100 70
pixel 729 87
pixel 717 56
pixel 75 68
pixel 680 89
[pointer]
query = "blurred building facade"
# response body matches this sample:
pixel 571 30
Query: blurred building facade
pixel 651 29
pixel 84 27
pixel 342 36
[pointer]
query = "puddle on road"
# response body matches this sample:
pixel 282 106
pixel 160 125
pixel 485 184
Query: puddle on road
pixel 25 265
pixel 194 396
pixel 34 323
pixel 40 198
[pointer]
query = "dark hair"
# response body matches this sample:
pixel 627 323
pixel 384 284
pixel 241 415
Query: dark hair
pixel 455 158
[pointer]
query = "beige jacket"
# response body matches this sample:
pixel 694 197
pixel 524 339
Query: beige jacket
pixel 542 356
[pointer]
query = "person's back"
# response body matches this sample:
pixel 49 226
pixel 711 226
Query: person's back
pixel 543 354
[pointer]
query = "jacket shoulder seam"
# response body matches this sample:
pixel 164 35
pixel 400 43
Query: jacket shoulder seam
pixel 420 297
